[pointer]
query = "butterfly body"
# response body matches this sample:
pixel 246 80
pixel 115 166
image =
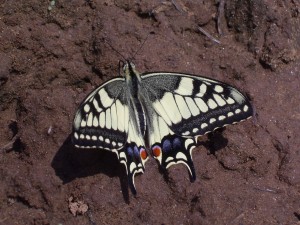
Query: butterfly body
pixel 169 110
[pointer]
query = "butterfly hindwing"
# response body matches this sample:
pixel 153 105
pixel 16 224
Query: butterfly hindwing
pixel 174 149
pixel 134 154
pixel 165 146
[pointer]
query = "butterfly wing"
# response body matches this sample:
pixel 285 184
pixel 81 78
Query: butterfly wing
pixel 182 107
pixel 102 118
pixel 134 154
pixel 103 121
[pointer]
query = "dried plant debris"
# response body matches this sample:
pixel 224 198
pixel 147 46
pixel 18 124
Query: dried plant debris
pixel 77 207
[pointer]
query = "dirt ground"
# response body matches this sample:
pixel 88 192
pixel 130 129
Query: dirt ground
pixel 51 59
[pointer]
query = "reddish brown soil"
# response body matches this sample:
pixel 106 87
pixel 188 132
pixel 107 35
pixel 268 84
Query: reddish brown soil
pixel 50 60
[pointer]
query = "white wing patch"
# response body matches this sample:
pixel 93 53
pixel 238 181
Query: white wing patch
pixel 160 129
pixel 126 117
pixel 170 107
pixel 96 105
pixel 201 104
pixel 121 115
pixel 105 99
pixel 102 119
pixel 219 100
pixel 183 107
pixel 202 91
pixel 184 87
pixel 95 121
pixel 212 104
pixel 108 119
pixel 192 106
pixel 114 118
pixel 161 111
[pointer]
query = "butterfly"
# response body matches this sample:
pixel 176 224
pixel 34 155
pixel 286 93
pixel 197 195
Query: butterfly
pixel 157 114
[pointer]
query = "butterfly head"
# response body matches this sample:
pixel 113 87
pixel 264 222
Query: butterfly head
pixel 130 71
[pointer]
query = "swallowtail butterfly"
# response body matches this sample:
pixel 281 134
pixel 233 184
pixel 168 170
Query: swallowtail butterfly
pixel 169 110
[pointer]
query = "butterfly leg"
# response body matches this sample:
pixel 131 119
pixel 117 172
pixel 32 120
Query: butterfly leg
pixel 175 149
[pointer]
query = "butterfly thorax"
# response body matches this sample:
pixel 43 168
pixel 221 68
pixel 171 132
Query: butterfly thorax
pixel 133 81
pixel 133 78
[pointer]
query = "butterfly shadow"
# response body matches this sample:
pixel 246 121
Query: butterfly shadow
pixel 215 141
pixel 70 163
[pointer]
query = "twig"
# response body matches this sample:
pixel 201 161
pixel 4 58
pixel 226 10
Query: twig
pixel 220 15
pixel 237 218
pixel 208 35
pixel 176 6
pixel 266 190
pixel 2 220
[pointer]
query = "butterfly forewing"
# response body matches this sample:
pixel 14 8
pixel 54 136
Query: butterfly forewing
pixel 193 106
pixel 102 119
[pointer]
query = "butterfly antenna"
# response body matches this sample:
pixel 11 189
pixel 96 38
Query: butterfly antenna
pixel 115 50
pixel 141 46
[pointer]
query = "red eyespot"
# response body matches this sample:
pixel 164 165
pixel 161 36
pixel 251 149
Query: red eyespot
pixel 143 154
pixel 156 150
